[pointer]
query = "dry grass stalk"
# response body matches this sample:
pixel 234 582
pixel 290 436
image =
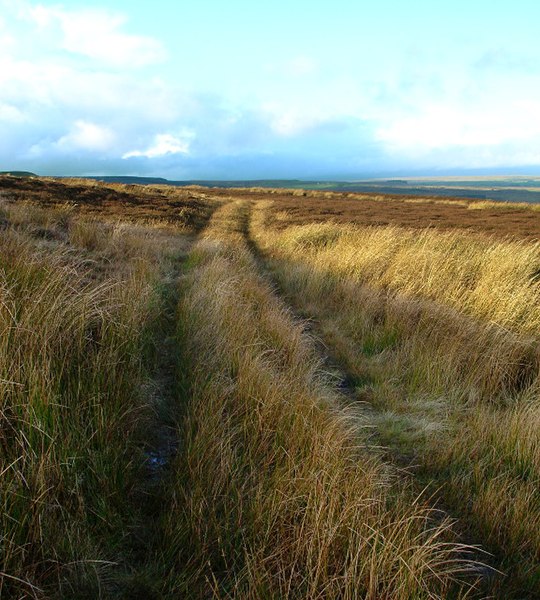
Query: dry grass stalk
pixel 282 498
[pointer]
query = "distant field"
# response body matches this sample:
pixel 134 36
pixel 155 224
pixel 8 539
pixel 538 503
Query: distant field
pixel 267 393
pixel 506 189
pixel 296 206
pixel 501 188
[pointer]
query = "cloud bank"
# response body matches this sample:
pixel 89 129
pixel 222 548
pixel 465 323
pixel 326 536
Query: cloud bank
pixel 89 96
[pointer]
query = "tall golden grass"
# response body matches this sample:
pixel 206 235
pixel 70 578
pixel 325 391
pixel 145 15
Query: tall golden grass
pixel 278 490
pixel 75 322
pixel 492 204
pixel 439 333
pixel 496 280
pixel 277 493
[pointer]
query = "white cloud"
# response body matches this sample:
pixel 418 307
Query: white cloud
pixel 87 136
pixel 164 144
pixel 97 34
pixel 438 126
pixel 7 40
pixel 41 15
pixel 11 114
pixel 70 96
pixel 295 118
pixel 291 122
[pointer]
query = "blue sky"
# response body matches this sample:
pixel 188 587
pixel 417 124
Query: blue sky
pixel 239 89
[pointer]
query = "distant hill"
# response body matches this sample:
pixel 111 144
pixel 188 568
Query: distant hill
pixel 18 173
pixel 275 183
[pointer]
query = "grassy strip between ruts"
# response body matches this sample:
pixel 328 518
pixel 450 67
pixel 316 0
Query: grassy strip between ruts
pixel 405 315
pixel 277 494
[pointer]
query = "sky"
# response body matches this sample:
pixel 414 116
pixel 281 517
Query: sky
pixel 239 89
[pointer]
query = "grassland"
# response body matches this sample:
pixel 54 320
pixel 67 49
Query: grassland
pixel 80 305
pixel 266 394
pixel 297 207
pixel 437 331
pixel 505 188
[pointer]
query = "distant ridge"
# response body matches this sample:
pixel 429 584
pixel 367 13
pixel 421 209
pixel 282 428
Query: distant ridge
pixel 18 173
pixel 132 179
pixel 505 188
pixel 204 182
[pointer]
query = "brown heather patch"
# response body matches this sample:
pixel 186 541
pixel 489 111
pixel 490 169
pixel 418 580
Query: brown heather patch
pixel 297 207
pixel 189 206
pixel 180 207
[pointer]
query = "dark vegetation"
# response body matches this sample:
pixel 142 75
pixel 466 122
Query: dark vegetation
pixel 163 204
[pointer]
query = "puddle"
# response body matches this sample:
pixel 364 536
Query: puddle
pixel 159 458
pixel 156 461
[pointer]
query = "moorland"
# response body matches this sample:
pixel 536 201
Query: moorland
pixel 212 392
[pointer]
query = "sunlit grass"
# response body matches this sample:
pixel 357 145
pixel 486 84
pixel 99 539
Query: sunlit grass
pixel 440 331
pixel 282 487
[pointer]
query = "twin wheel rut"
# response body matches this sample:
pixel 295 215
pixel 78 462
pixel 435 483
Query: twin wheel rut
pixel 163 439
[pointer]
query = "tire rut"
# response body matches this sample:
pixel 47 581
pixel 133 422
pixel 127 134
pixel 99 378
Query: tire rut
pixel 140 573
pixel 405 465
